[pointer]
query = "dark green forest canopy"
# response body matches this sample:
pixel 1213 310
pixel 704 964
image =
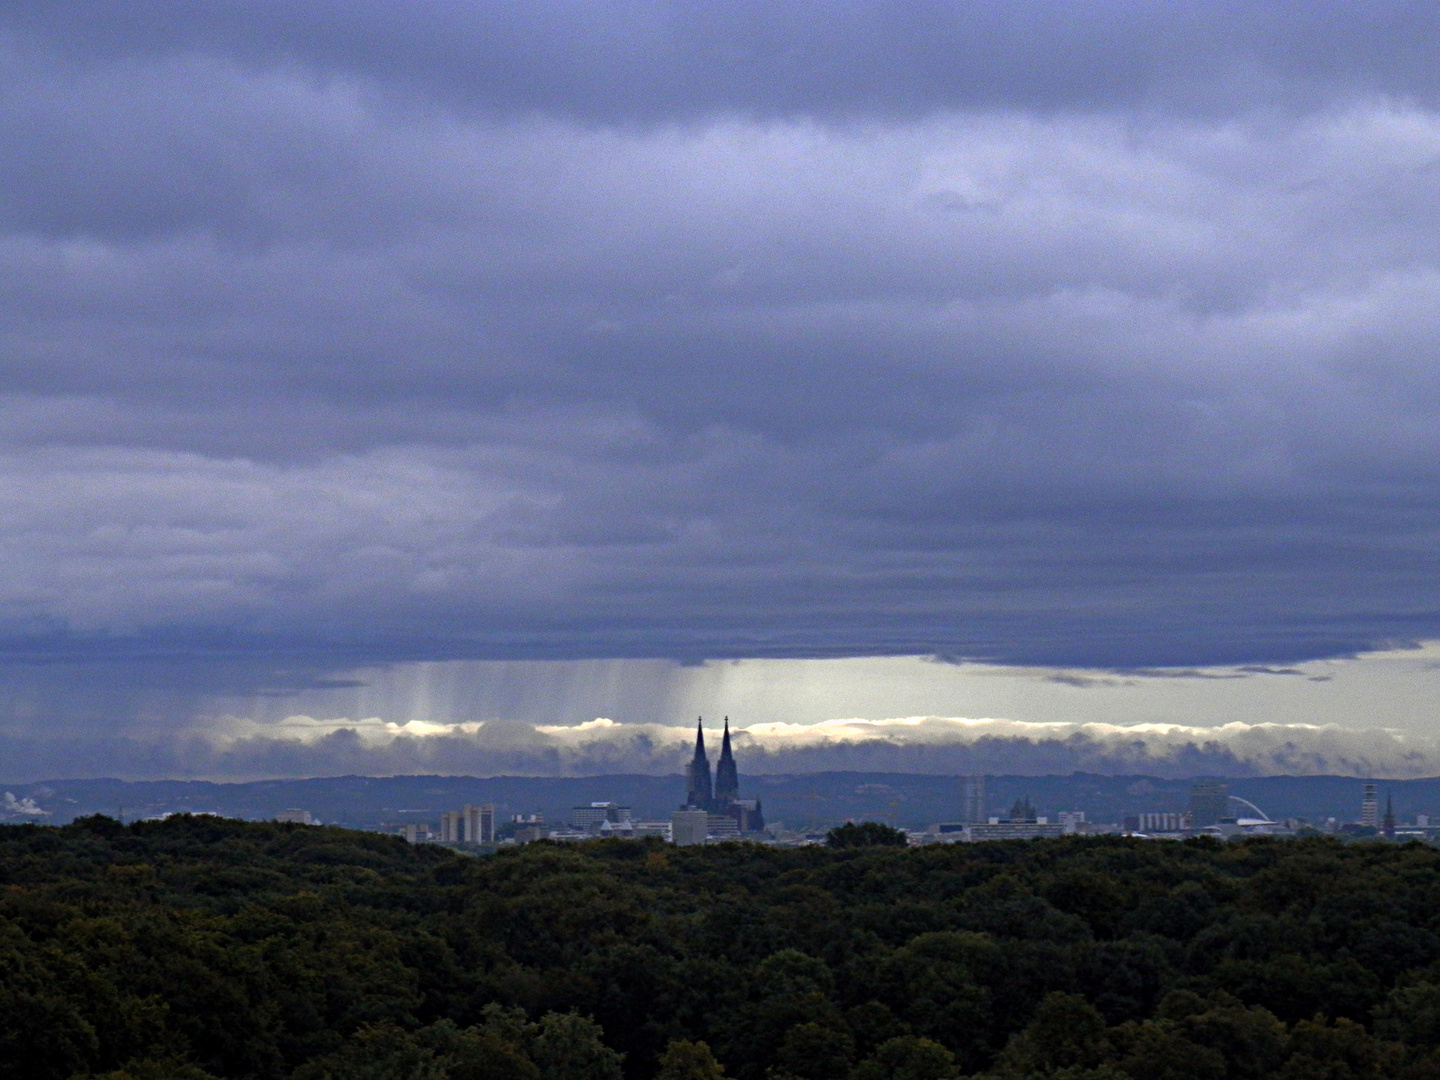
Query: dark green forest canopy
pixel 203 946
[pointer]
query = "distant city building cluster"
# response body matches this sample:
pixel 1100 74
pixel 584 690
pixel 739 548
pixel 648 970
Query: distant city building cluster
pixel 470 825
pixel 1212 811
pixel 609 820
pixel 976 823
pixel 713 811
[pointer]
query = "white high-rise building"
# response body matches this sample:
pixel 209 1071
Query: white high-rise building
pixel 450 827
pixel 689 826
pixel 972 799
pixel 479 823
pixel 1370 808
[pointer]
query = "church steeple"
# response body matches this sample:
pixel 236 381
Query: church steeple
pixel 727 780
pixel 698 792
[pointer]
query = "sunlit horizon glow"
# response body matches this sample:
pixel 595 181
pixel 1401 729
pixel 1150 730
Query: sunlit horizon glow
pixel 1370 715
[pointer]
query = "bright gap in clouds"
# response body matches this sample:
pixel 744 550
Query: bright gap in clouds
pixel 1370 715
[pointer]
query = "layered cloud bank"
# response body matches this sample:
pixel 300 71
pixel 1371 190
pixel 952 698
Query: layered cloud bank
pixel 303 746
pixel 1097 334
pixel 1369 716
pixel 338 337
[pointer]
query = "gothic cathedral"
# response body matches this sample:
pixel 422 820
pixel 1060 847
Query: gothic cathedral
pixel 723 799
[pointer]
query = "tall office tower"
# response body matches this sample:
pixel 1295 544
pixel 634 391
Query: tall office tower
pixel 1209 803
pixel 450 827
pixel 1388 824
pixel 727 778
pixel 479 823
pixel 972 800
pixel 1370 808
pixel 698 793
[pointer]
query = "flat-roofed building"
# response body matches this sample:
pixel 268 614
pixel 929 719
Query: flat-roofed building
pixel 1163 821
pixel 722 826
pixel 478 823
pixel 595 814
pixel 450 827
pixel 972 799
pixel 689 826
pixel 1209 803
pixel 1370 808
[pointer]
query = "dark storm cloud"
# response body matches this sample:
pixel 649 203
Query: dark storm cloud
pixel 659 61
pixel 1072 333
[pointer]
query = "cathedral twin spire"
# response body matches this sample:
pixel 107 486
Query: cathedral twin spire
pixel 698 792
pixel 727 780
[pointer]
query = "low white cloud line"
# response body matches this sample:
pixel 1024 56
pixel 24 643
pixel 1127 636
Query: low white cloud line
pixel 902 744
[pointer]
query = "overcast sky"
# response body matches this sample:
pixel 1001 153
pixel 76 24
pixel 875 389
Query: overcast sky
pixel 340 337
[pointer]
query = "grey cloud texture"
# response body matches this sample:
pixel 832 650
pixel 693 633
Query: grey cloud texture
pixel 929 745
pixel 618 61
pixel 331 335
